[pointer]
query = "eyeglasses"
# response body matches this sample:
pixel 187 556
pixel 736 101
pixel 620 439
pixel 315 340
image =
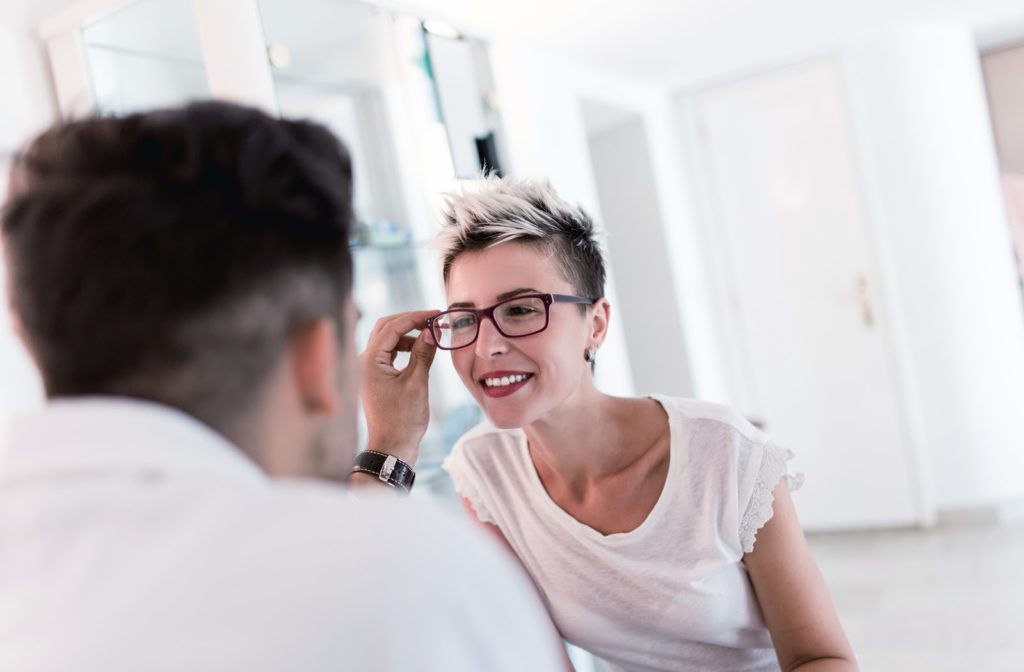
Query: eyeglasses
pixel 523 315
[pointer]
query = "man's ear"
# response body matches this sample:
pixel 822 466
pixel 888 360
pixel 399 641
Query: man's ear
pixel 314 357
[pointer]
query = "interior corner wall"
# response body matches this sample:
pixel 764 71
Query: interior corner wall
pixel 932 168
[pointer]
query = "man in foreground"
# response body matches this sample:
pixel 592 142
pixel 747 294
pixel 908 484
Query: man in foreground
pixel 182 279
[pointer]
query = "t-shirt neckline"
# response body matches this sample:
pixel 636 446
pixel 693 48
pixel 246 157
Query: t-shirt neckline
pixel 574 525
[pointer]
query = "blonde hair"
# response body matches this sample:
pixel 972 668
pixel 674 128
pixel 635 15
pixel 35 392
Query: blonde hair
pixel 495 210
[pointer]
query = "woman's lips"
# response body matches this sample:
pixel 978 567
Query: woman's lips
pixel 503 388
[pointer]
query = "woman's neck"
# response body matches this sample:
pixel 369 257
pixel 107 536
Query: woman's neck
pixel 590 437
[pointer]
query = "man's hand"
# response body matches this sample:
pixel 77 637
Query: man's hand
pixel 396 401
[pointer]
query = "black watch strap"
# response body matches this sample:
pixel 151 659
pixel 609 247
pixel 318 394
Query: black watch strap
pixel 388 468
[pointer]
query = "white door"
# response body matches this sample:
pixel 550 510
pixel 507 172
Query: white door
pixel 779 155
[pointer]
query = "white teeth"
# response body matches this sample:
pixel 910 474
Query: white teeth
pixel 505 381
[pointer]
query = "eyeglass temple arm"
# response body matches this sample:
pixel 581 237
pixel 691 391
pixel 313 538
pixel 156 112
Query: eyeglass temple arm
pixel 566 298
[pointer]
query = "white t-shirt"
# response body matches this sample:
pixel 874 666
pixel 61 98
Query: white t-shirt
pixel 673 594
pixel 134 538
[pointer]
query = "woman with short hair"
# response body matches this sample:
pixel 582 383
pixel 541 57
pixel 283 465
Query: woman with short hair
pixel 659 531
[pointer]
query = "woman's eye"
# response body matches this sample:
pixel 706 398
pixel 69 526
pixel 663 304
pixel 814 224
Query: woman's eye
pixel 463 322
pixel 519 310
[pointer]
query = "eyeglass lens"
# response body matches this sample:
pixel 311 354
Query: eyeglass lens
pixel 515 317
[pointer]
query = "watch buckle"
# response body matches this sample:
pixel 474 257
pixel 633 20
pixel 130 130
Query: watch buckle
pixel 388 468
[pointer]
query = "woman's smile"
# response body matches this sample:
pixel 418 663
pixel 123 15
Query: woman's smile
pixel 496 384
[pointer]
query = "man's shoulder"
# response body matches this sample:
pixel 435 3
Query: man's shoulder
pixel 235 562
pixel 336 542
pixel 410 564
pixel 417 537
pixel 364 518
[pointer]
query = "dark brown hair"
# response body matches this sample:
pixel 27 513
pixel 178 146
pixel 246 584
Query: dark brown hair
pixel 170 255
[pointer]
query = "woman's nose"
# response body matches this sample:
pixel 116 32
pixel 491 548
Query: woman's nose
pixel 489 342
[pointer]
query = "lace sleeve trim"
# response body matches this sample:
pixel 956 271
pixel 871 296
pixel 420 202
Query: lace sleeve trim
pixel 759 511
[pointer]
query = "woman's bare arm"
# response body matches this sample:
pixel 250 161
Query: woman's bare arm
pixel 794 599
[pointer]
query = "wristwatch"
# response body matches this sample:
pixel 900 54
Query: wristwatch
pixel 388 468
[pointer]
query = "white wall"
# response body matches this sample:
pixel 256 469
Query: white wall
pixel 540 95
pixel 24 75
pixel 28 107
pixel 649 310
pixel 930 163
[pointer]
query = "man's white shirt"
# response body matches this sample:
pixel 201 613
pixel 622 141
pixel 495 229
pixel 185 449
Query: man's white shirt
pixel 132 537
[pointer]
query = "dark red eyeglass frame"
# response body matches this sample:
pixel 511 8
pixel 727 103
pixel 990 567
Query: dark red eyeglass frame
pixel 488 313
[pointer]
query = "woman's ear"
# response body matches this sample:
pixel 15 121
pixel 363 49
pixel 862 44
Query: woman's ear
pixel 601 315
pixel 314 356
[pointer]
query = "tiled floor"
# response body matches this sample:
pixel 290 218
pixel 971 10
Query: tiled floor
pixel 942 600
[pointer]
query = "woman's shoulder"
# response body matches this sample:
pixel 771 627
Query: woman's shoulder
pixel 707 416
pixel 487 466
pixel 484 445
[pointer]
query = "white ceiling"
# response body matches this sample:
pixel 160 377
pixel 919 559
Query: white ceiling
pixel 685 40
pixel 670 41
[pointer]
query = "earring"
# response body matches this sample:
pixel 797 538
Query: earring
pixel 588 355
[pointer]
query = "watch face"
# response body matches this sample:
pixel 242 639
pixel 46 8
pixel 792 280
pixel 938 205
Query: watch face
pixel 388 468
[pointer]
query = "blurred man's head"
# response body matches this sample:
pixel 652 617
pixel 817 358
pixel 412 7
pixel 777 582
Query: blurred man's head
pixel 195 257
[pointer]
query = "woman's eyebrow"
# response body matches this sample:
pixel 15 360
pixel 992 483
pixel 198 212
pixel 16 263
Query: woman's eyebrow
pixel 501 297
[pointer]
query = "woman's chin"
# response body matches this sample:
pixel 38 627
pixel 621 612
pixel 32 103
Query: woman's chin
pixel 504 418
